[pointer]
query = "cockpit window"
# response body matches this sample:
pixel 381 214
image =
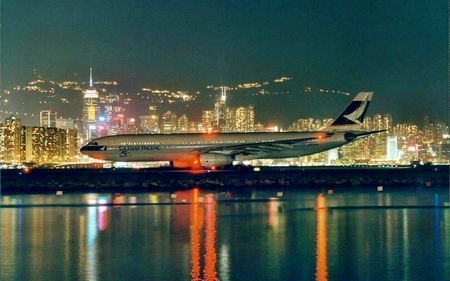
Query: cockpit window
pixel 93 143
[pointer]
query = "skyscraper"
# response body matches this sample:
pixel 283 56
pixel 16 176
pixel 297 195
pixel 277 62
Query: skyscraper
pixel 47 118
pixel 90 110
pixel 12 140
pixel 169 122
pixel 183 124
pixel 207 120
pixel 220 111
pixel 150 123
pixel 392 150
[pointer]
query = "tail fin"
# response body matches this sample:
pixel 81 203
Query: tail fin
pixel 353 115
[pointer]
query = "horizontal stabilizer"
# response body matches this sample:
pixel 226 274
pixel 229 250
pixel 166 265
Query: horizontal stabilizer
pixel 352 136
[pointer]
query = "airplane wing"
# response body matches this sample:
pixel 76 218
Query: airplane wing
pixel 260 147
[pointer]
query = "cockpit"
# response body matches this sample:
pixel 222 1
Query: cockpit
pixel 93 146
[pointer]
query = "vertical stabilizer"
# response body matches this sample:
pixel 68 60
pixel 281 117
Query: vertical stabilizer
pixel 353 115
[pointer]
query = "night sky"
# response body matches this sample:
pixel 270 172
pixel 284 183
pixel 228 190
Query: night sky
pixel 398 49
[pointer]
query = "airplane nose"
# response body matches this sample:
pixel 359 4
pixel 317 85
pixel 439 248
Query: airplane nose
pixel 89 148
pixel 83 149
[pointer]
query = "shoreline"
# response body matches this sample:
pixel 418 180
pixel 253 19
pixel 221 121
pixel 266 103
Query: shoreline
pixel 38 181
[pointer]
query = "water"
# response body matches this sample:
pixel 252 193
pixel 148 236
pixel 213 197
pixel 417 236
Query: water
pixel 271 234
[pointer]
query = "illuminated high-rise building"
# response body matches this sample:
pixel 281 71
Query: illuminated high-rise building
pixel 48 145
pixel 302 125
pixel 47 118
pixel 378 142
pixel 407 140
pixel 11 147
pixel 63 123
pixel 183 124
pixel 169 122
pixel 208 120
pixel 90 110
pixel 441 130
pixel 367 124
pixel 114 120
pixel 259 127
pixel 220 112
pixel 392 150
pixel 150 123
pixel 444 150
pixel 326 122
pixel 119 124
pixel 2 139
pixel 387 122
pixel 192 127
pixel 130 127
pixel 241 119
pixel 245 119
pixel 377 122
pixel 428 129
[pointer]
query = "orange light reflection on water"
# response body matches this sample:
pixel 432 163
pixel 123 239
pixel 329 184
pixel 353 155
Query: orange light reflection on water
pixel 321 239
pixel 210 240
pixel 198 213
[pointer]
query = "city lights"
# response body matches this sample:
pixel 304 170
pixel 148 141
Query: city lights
pixel 106 111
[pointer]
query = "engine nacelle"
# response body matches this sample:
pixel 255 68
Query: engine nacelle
pixel 214 160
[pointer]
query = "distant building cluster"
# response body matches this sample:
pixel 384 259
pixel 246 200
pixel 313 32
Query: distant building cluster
pixel 21 144
pixel 402 143
pixel 58 139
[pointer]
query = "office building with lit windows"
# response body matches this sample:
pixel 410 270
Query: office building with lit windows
pixel 444 150
pixel 183 124
pixel 150 123
pixel 392 150
pixel 169 122
pixel 11 148
pixel 21 144
pixel 64 123
pixel 48 145
pixel 207 121
pixel 47 118
pixel 240 119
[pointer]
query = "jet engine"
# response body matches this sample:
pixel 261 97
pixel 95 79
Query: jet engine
pixel 214 160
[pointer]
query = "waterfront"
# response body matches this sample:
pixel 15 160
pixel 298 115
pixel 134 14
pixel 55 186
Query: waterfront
pixel 145 180
pixel 231 234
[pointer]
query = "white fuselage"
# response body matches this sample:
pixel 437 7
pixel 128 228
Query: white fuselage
pixel 173 147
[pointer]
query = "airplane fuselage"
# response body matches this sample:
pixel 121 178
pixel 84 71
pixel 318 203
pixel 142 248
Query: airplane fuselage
pixel 150 147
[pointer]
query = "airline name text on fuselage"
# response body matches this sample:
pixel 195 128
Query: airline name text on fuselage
pixel 139 147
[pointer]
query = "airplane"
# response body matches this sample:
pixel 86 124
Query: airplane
pixel 220 150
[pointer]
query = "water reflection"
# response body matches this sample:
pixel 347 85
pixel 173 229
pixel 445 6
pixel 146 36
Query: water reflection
pixel 91 247
pixel 197 214
pixel 406 251
pixel 210 233
pixel 200 238
pixel 321 239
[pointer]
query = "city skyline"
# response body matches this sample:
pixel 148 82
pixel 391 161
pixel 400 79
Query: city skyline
pixel 397 51
pixel 52 95
pixel 401 143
